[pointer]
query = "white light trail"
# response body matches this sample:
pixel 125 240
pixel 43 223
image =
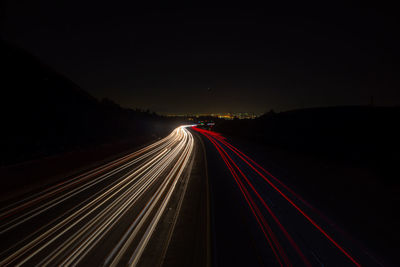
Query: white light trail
pixel 140 184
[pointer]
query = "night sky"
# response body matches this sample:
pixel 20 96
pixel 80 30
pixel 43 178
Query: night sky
pixel 215 60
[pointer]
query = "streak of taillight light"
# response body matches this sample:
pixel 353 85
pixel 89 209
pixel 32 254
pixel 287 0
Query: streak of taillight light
pixel 256 212
pixel 285 232
pixel 284 186
pixel 289 200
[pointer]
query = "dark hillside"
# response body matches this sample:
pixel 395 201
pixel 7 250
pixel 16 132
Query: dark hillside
pixel 44 113
pixel 356 135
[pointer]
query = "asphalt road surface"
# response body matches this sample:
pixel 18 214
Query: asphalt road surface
pixel 256 220
pixel 178 202
pixel 106 216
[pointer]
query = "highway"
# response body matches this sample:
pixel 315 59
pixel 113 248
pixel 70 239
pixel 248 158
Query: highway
pixel 105 216
pixel 257 220
pixel 149 208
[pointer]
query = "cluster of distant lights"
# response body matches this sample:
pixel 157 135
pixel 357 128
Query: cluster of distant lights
pixel 226 116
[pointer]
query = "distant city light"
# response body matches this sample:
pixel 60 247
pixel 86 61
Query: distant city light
pixel 226 116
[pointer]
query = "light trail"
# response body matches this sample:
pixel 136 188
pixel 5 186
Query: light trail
pixel 131 192
pixel 271 239
pixel 219 142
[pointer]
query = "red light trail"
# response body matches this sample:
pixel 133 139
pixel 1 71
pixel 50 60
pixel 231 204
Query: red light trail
pixel 219 142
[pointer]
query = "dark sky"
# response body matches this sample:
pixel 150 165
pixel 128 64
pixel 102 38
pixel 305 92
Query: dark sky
pixel 280 57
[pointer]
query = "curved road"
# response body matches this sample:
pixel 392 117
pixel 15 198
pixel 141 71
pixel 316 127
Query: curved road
pixel 106 216
pixel 127 212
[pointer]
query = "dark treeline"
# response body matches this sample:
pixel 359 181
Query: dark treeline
pixel 357 135
pixel 44 113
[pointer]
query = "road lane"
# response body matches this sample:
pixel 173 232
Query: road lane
pixel 264 222
pixel 104 216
